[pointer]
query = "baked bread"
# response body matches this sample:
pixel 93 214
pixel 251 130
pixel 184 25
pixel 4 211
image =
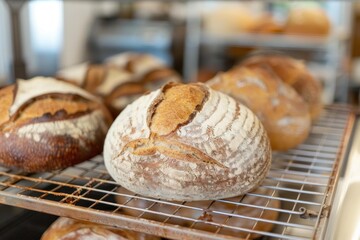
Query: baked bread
pixel 266 24
pixel 123 78
pixel 308 21
pixel 69 229
pixel 282 111
pixel 252 207
pixel 187 142
pixel 294 73
pixel 47 124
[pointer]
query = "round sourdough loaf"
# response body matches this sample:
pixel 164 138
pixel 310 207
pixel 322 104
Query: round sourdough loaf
pixel 255 212
pixel 282 111
pixel 294 73
pixel 187 142
pixel 70 229
pixel 47 124
pixel 124 78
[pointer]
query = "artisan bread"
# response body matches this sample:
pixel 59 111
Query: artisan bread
pixel 124 78
pixel 187 142
pixel 47 124
pixel 282 111
pixel 69 229
pixel 307 21
pixel 294 73
pixel 248 212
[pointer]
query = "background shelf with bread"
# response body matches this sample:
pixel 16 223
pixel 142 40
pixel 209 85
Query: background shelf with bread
pixel 307 30
pixel 128 143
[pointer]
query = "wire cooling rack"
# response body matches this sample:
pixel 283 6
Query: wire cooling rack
pixel 301 181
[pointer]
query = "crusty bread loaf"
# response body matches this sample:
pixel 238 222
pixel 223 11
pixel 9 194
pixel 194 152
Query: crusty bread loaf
pixel 47 124
pixel 307 21
pixel 187 142
pixel 124 78
pixel 282 111
pixel 250 208
pixel 70 229
pixel 294 73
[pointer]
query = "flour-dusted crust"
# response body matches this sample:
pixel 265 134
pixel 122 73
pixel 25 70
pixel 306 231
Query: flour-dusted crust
pixel 220 150
pixel 248 208
pixel 50 125
pixel 282 111
pixel 70 229
pixel 294 73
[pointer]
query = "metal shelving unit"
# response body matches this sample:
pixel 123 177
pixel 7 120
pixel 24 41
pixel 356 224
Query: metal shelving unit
pixel 303 179
pixel 331 46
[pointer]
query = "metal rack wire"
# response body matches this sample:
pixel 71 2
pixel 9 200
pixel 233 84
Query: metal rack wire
pixel 302 179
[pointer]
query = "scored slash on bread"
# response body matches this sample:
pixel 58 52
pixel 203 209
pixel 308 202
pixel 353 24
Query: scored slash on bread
pixel 49 124
pixel 187 142
pixel 165 119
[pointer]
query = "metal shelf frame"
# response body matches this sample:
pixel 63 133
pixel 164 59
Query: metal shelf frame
pixel 303 179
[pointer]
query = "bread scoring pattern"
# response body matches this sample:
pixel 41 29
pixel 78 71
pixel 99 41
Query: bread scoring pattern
pixel 214 148
pixel 50 124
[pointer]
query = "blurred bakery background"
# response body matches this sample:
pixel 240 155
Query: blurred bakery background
pixel 197 39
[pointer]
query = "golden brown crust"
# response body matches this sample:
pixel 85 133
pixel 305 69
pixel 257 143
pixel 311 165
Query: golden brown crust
pixel 50 105
pixel 6 99
pixel 307 21
pixel 266 24
pixel 121 83
pixel 204 75
pixel 51 131
pixel 178 104
pixel 94 76
pixel 215 148
pixel 294 73
pixel 70 229
pixel 51 153
pixel 283 113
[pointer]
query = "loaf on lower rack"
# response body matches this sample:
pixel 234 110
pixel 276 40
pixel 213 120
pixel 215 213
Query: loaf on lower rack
pixel 251 211
pixel 47 124
pixel 187 142
pixel 70 229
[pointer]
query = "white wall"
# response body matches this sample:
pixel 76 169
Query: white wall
pixel 5 46
pixel 78 17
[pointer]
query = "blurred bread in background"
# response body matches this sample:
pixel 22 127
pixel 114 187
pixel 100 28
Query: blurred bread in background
pixel 122 79
pixel 307 21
